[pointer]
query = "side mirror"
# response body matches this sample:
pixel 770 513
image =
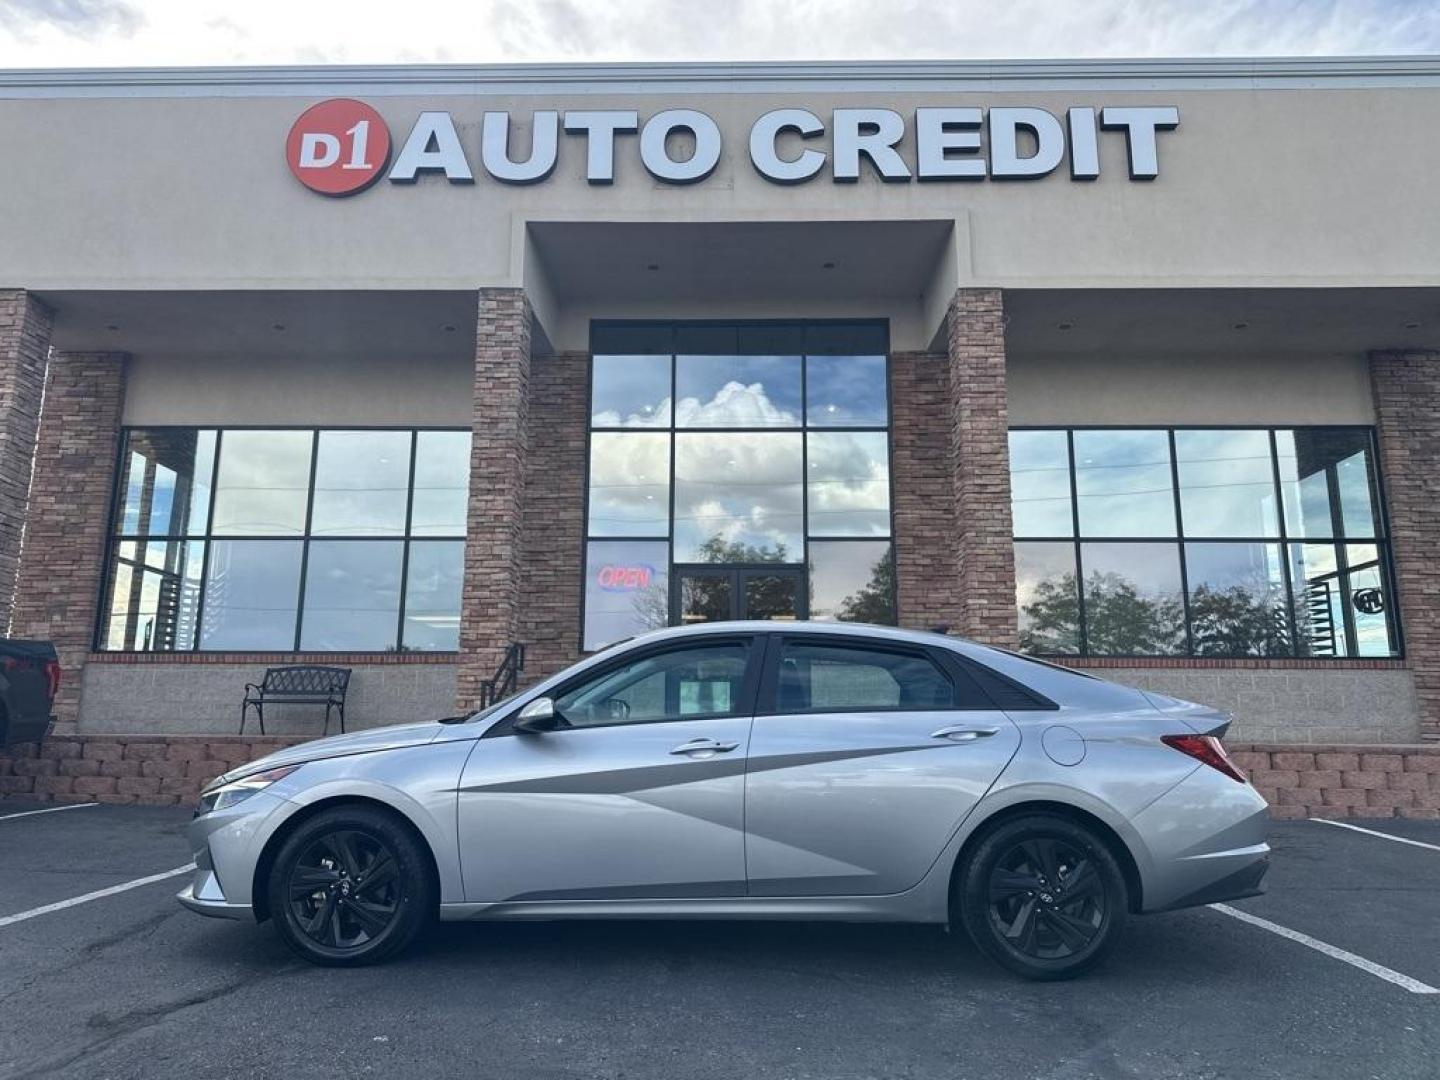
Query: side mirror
pixel 538 717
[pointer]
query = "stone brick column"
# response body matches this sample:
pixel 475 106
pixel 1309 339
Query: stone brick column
pixel 923 486
pixel 1406 386
pixel 554 513
pixel 24 343
pixel 62 563
pixel 980 455
pixel 491 598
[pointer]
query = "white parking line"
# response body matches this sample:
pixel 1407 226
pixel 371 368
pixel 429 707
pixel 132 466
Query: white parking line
pixel 1382 835
pixel 1415 986
pixel 47 810
pixel 98 894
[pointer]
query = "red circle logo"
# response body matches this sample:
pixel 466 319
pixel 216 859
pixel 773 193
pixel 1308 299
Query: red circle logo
pixel 339 147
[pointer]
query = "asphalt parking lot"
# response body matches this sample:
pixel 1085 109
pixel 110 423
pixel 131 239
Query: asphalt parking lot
pixel 130 985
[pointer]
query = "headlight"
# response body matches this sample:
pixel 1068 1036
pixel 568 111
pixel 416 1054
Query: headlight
pixel 237 791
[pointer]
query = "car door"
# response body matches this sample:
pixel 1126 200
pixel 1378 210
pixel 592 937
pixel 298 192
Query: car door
pixel 865 756
pixel 638 794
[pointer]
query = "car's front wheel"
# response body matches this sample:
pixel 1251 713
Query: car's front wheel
pixel 1044 896
pixel 350 886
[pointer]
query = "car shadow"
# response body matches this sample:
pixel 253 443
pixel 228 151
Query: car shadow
pixel 875 953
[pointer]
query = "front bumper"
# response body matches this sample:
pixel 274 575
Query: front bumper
pixel 193 897
pixel 226 845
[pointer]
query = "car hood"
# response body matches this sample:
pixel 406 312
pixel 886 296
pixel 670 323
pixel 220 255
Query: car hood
pixel 361 742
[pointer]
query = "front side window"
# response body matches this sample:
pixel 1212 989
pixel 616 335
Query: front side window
pixel 692 683
pixel 256 540
pixel 814 677
pixel 737 471
pixel 1221 542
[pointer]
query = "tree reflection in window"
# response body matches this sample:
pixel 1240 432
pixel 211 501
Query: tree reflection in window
pixel 1229 580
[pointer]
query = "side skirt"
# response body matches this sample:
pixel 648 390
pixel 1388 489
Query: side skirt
pixel 904 907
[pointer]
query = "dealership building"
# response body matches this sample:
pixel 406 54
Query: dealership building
pixel 1132 365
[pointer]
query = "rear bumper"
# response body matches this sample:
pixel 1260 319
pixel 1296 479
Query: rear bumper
pixel 1243 883
pixel 25 729
pixel 1206 839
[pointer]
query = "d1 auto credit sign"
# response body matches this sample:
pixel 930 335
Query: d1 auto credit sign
pixel 339 147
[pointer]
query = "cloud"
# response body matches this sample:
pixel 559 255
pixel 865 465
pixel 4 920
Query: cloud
pixel 743 488
pixel 137 32
pixel 90 19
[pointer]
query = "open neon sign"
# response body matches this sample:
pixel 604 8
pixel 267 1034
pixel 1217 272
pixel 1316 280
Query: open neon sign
pixel 614 577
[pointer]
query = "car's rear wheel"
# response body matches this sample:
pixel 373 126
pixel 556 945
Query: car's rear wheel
pixel 351 886
pixel 1044 896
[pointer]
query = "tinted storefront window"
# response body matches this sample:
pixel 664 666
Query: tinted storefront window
pixel 285 539
pixel 1228 542
pixel 720 450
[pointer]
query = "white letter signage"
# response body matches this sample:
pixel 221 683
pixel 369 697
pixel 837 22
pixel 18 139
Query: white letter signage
pixel 340 146
pixel 433 146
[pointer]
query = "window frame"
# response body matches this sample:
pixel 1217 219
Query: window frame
pixel 669 331
pixel 1339 540
pixel 754 660
pixel 948 666
pixel 114 537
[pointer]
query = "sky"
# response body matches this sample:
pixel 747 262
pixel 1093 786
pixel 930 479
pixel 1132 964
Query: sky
pixel 133 33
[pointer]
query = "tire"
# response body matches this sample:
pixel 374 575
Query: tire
pixel 351 886
pixel 1008 900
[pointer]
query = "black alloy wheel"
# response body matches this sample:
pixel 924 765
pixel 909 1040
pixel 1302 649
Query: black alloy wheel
pixel 1044 896
pixel 345 889
pixel 351 886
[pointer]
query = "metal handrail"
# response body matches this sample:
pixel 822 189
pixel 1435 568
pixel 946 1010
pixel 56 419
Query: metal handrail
pixel 506 678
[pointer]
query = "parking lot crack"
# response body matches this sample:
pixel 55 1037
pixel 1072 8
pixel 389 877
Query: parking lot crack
pixel 116 1028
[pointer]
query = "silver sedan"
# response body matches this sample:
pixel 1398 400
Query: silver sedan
pixel 751 771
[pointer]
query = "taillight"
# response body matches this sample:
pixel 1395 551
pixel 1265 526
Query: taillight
pixel 52 677
pixel 1207 750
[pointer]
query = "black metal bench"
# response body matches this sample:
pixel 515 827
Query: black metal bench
pixel 298 685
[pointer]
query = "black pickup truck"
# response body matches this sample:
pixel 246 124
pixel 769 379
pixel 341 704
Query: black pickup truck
pixel 29 678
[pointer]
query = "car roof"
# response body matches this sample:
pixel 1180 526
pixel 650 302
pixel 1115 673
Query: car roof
pixel 798 626
pixel 1053 681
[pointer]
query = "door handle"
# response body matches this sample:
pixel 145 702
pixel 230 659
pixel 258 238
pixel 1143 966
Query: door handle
pixel 705 746
pixel 964 733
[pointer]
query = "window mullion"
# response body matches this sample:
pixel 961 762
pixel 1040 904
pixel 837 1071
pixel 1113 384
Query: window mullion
pixel 305 537
pixel 405 543
pixel 208 538
pixel 1180 540
pixel 1082 642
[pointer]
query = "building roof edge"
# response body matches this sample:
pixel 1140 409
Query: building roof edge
pixel 1179 73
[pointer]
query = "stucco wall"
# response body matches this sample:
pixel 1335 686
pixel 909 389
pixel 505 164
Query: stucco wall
pixel 1215 388
pixel 304 388
pixel 1310 705
pixel 188 699
pixel 309 387
pixel 171 191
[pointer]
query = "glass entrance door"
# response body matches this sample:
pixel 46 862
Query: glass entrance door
pixel 718 593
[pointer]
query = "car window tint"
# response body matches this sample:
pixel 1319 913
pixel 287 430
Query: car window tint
pixel 693 682
pixel 824 678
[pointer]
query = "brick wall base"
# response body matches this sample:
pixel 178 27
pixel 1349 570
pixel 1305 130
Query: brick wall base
pixel 1338 780
pixel 1329 780
pixel 156 770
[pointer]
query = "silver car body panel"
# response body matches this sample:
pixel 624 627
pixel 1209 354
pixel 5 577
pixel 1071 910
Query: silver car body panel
pixel 856 816
pixel 863 803
pixel 605 813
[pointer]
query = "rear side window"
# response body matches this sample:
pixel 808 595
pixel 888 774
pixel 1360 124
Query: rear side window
pixel 813 677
